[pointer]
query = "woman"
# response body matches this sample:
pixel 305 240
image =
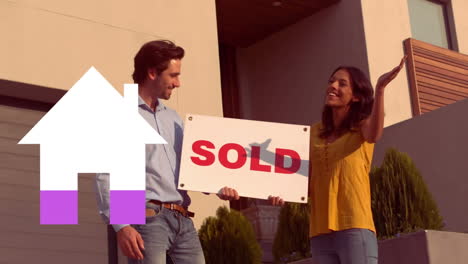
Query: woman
pixel 341 228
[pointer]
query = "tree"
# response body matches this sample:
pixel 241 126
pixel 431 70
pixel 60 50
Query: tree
pixel 401 202
pixel 229 238
pixel 292 236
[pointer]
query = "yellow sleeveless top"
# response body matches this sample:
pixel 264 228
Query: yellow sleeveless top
pixel 339 185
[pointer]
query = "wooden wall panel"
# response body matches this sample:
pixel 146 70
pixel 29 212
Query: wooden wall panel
pixel 437 76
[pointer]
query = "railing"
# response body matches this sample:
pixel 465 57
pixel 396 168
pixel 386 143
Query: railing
pixel 437 76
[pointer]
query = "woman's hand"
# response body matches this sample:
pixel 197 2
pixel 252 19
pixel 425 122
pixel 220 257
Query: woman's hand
pixel 372 127
pixel 276 200
pixel 386 78
pixel 227 193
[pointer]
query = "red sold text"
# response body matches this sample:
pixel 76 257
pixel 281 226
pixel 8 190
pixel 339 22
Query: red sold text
pixel 207 149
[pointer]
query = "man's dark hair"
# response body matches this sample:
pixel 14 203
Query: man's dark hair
pixel 155 54
pixel 358 111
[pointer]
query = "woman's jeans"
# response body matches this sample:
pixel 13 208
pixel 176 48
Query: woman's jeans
pixel 351 246
pixel 169 237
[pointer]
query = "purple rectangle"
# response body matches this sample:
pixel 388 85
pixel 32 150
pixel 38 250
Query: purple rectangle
pixel 127 207
pixel 59 207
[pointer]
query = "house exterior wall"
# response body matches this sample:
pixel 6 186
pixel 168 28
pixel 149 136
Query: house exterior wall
pixel 24 240
pixel 436 142
pixel 461 24
pixel 291 67
pixel 51 44
pixel 283 77
pixel 431 139
pixel 386 26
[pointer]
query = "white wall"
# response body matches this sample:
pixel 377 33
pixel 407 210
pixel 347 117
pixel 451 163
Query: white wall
pixel 283 78
pixel 438 145
pixel 460 8
pixel 387 25
pixel 52 43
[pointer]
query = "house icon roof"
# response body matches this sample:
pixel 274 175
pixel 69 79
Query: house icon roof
pixel 93 112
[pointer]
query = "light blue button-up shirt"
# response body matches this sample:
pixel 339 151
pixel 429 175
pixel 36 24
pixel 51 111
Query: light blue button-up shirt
pixel 162 162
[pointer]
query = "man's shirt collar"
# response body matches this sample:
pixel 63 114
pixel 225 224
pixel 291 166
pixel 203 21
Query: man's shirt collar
pixel 160 106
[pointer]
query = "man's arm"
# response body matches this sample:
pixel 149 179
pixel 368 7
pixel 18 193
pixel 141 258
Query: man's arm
pixel 102 198
pixel 129 240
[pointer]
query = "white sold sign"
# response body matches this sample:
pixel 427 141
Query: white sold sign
pixel 256 158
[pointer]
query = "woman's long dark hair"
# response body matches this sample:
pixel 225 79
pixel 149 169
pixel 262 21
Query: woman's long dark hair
pixel 358 111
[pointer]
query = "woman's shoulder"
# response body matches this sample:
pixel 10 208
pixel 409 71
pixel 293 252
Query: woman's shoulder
pixel 316 126
pixel 315 129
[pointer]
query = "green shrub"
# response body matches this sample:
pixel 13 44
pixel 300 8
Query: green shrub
pixel 229 238
pixel 292 236
pixel 401 202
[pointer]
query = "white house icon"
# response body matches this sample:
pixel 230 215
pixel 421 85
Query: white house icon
pixel 93 129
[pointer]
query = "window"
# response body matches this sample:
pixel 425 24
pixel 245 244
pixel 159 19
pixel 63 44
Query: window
pixel 431 22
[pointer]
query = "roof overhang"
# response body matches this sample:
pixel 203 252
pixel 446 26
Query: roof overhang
pixel 244 22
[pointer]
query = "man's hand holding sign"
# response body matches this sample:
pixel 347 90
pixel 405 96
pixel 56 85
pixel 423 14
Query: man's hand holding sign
pixel 227 155
pixel 229 194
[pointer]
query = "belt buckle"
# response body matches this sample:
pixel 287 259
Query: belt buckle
pixel 172 206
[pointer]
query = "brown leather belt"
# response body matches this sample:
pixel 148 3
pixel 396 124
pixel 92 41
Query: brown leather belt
pixel 174 207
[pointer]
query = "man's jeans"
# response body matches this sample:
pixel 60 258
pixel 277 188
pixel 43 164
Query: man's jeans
pixel 351 246
pixel 169 237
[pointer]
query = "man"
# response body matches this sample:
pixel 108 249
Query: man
pixel 169 234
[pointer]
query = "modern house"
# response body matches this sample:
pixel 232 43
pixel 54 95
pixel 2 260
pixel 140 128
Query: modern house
pixel 281 77
pixel 262 60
